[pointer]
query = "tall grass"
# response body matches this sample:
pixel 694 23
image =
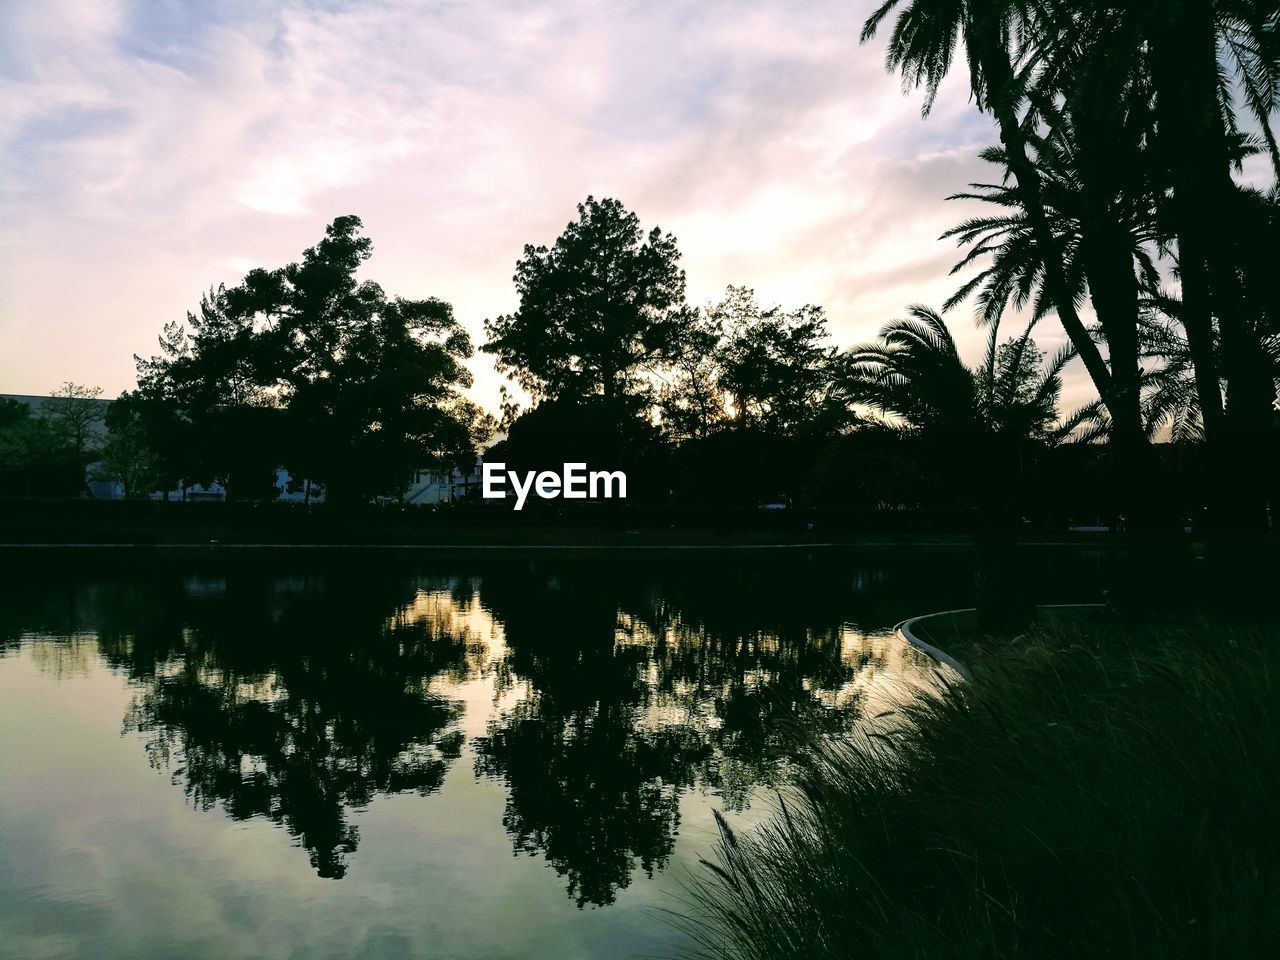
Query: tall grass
pixel 1106 794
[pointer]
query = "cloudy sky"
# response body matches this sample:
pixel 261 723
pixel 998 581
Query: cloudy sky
pixel 149 150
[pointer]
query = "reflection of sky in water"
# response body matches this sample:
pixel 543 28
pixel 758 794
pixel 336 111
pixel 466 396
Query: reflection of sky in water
pixel 413 732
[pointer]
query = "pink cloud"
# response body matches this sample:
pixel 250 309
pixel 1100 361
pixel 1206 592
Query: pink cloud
pixel 777 149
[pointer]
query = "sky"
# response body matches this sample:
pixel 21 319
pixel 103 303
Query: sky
pixel 151 150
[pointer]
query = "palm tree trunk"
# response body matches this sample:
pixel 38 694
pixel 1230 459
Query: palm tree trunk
pixel 1107 153
pixel 1106 251
pixel 987 48
pixel 1111 282
pixel 1154 552
pixel 1113 288
pixel 1197 152
pixel 1185 127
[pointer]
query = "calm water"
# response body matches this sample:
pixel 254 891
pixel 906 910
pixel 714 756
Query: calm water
pixel 380 756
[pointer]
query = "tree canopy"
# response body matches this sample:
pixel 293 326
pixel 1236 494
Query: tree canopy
pixel 600 308
pixel 308 367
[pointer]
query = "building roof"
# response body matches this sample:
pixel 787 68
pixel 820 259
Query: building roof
pixel 36 403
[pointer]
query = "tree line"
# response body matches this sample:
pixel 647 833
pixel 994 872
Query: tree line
pixel 1116 210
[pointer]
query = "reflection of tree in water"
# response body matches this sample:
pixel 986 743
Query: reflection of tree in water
pixel 586 786
pixel 639 692
pixel 761 652
pixel 293 699
pixel 296 697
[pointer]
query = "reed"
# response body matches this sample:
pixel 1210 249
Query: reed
pixel 1104 793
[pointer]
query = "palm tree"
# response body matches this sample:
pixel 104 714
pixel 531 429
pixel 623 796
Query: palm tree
pixel 1198 50
pixel 914 375
pixel 1100 211
pixel 995 34
pixel 1170 404
pixel 983 421
pixel 1258 237
pixel 1142 94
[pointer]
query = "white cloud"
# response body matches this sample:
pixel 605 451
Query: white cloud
pixel 145 160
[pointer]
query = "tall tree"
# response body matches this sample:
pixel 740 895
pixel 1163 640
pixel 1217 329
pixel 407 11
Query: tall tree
pixel 1139 103
pixel 915 375
pixel 778 368
pixel 307 367
pixel 75 413
pixel 35 461
pixel 1100 210
pixel 1198 50
pixel 922 47
pixel 127 455
pixel 599 309
pixel 207 411
pixel 691 399
pixel 391 402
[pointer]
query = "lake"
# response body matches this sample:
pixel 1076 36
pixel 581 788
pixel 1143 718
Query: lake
pixel 371 754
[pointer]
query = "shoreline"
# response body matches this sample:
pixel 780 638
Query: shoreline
pixel 611 546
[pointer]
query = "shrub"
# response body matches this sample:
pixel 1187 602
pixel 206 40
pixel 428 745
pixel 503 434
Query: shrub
pixel 1114 793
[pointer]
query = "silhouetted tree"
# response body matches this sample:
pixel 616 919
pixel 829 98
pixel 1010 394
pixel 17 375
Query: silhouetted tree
pixel 127 455
pixel 74 414
pixel 307 367
pixel 1198 53
pixel 599 309
pixel 691 400
pixel 778 368
pixel 922 48
pixel 987 425
pixel 74 411
pixel 914 373
pixel 605 434
pixel 1119 135
pixel 35 459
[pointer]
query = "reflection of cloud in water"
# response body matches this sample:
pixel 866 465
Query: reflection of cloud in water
pixel 894 672
pixel 72 656
pixel 453 609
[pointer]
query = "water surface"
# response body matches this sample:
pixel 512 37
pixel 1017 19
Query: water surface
pixel 372 755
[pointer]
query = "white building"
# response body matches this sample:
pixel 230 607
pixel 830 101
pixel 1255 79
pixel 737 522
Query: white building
pixel 431 487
